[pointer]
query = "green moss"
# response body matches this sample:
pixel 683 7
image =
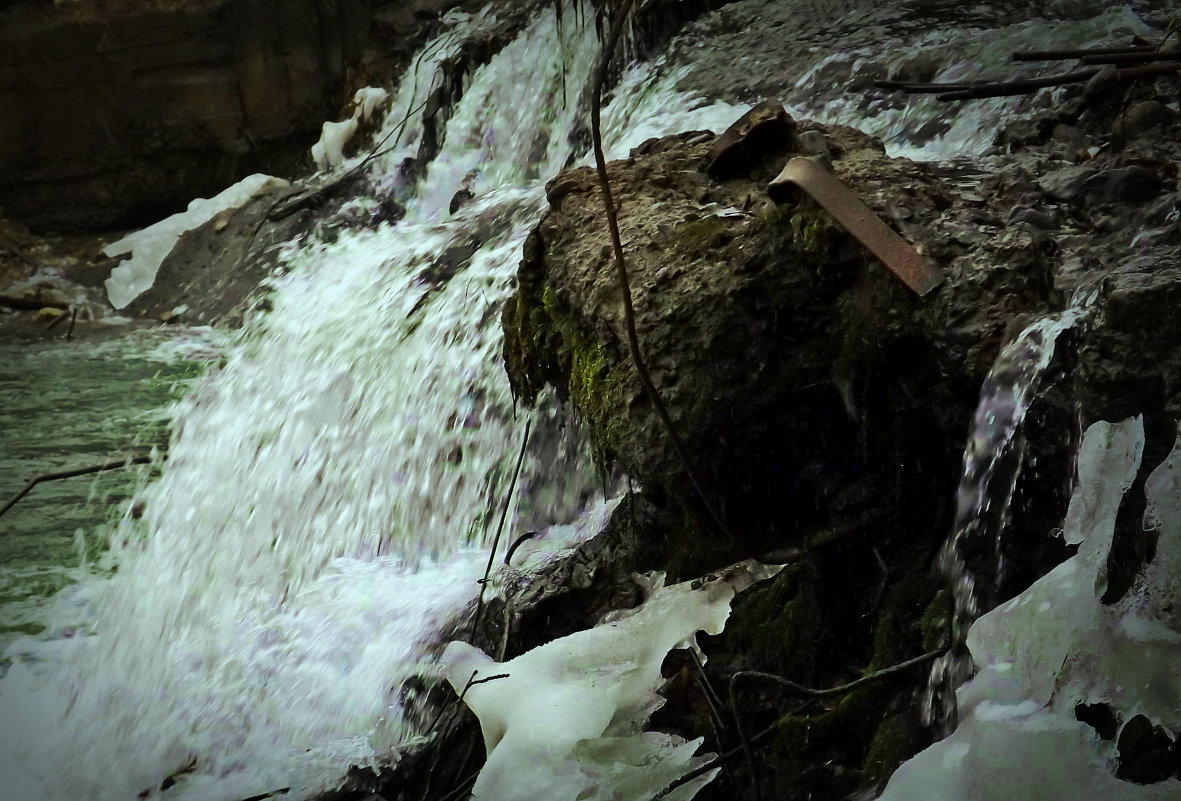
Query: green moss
pixel 861 737
pixel 813 230
pixel 699 235
pixel 777 623
pixel 543 343
pixel 896 740
pixel 898 633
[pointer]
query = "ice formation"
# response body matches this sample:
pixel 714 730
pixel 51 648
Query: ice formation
pixel 1057 646
pixel 566 722
pixel 149 247
pixel 328 153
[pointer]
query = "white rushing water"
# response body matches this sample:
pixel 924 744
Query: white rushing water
pixel 326 498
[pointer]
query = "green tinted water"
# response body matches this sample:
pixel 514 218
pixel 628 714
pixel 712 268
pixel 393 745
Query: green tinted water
pixel 65 405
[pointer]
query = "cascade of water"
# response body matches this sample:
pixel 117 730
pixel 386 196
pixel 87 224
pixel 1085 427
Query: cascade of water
pixel 992 463
pixel 327 489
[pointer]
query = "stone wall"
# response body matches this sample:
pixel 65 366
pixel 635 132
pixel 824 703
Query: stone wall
pixel 117 116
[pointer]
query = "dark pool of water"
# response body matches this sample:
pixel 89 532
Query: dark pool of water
pixel 65 405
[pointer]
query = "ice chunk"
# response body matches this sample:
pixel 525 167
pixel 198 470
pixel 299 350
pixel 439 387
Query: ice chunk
pixel 149 247
pixel 565 723
pixel 328 152
pixel 1059 646
pixel 368 100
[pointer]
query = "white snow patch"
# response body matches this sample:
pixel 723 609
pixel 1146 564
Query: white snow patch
pixel 328 152
pixel 149 247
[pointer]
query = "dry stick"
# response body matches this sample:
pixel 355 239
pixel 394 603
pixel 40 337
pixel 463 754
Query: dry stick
pixel 629 314
pixel 463 786
pixel 1131 57
pixel 1006 88
pixel 711 696
pixel 305 200
pixel 499 528
pixel 471 682
pixel 78 471
pixel 809 692
pixel 1062 55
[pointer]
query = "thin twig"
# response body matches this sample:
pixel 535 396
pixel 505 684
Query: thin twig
pixel 809 692
pixel 73 319
pixel 461 788
pixel 499 528
pixel 471 682
pixel 78 471
pixel 306 199
pixel 715 702
pixel 629 314
pixel 508 623
pixel 840 689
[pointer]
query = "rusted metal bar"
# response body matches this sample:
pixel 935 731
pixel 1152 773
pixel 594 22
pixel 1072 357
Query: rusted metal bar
pixel 1133 57
pixel 858 219
pixel 1062 55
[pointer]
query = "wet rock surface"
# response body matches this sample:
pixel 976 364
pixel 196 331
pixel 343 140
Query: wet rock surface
pixel 844 373
pixel 825 405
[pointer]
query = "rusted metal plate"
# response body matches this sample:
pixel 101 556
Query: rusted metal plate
pixel 765 128
pixel 858 219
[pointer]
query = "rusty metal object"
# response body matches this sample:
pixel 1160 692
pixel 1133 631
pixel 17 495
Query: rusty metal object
pixel 858 219
pixel 765 128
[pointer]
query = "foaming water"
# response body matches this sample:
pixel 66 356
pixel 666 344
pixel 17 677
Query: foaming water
pixel 989 479
pixel 328 489
pixel 960 54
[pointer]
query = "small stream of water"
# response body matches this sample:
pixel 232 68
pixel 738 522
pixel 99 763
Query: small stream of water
pixel 992 465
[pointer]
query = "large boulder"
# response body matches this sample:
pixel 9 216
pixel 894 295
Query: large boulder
pixel 813 390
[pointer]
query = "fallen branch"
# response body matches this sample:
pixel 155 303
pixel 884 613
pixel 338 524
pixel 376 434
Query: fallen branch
pixel 16 250
pixel 499 528
pixel 629 314
pixel 1063 55
pixel 799 689
pixel 79 471
pixel 271 794
pixel 30 304
pixel 1028 86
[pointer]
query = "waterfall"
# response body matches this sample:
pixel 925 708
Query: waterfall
pixel 325 504
pixel 992 466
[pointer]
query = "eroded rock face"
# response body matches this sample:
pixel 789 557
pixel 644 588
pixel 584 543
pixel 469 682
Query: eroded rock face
pixel 811 387
pixel 113 113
